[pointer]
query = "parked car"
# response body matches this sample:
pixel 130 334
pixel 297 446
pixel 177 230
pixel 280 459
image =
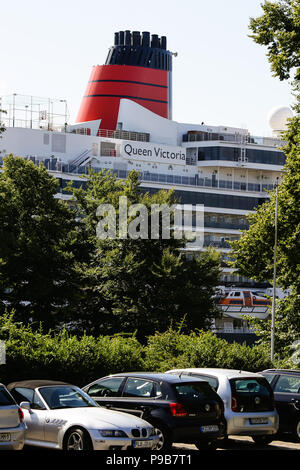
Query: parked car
pixel 61 416
pixel 182 409
pixel 12 426
pixel 248 401
pixel 286 388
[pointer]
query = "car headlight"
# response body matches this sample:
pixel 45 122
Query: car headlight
pixel 152 432
pixel 112 433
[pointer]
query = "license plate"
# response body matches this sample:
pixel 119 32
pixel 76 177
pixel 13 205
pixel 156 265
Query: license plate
pixel 142 444
pixel 4 437
pixel 210 428
pixel 258 420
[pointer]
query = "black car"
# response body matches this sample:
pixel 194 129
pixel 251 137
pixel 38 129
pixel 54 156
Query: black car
pixel 286 387
pixel 183 409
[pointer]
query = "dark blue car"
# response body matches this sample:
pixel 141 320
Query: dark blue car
pixel 286 387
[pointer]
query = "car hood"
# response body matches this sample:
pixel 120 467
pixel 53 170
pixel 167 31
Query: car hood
pixel 98 417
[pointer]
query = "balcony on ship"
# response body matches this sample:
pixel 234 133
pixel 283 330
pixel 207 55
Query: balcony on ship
pixel 242 138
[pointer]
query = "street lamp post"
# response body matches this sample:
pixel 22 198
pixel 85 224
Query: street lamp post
pixel 274 275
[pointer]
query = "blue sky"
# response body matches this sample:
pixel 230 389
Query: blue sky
pixel 220 75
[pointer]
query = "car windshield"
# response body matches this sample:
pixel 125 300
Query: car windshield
pixel 66 397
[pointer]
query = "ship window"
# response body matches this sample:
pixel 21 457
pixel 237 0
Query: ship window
pixel 237 294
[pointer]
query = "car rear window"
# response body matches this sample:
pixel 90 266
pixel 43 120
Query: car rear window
pixel 5 398
pixel 251 385
pixel 194 391
pixel 252 394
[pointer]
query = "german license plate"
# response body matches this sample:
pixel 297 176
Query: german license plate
pixel 210 428
pixel 5 437
pixel 142 444
pixel 258 420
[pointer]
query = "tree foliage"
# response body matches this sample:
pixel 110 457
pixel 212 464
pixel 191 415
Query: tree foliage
pixel 254 251
pixel 140 284
pixel 54 268
pixel 39 244
pixel 279 29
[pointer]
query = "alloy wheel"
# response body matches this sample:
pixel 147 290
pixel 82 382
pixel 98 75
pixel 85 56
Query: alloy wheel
pixel 75 441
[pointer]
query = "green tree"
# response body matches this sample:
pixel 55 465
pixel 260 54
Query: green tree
pixel 254 251
pixel 278 29
pixel 140 284
pixel 40 244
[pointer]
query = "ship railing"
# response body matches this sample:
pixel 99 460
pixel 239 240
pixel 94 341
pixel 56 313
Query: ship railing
pixel 234 329
pixel 239 139
pixel 54 165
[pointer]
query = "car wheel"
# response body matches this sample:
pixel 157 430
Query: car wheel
pixel 165 441
pixel 297 431
pixel 262 440
pixel 206 445
pixel 77 439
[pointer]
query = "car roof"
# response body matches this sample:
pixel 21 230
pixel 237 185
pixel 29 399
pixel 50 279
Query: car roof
pixel 282 371
pixel 34 384
pixel 161 376
pixel 229 373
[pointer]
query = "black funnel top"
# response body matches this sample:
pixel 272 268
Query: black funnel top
pixel 140 49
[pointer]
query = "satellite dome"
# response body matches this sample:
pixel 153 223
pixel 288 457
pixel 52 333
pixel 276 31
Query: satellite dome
pixel 278 118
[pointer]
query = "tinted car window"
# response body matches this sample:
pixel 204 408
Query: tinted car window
pixel 24 394
pixel 106 388
pixel 269 377
pixel 157 390
pixel 5 398
pixel 138 388
pixel 27 394
pixel 194 391
pixel 287 384
pixel 249 386
pixel 213 381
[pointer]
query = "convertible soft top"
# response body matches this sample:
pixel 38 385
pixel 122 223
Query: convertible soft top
pixel 35 383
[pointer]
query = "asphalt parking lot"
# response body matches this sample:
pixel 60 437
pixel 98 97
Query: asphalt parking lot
pixel 241 443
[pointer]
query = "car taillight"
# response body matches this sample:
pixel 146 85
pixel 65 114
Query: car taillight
pixel 234 404
pixel 177 409
pixel 21 414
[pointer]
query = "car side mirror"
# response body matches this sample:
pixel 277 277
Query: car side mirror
pixel 26 406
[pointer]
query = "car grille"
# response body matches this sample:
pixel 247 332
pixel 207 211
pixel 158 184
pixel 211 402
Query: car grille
pixel 139 432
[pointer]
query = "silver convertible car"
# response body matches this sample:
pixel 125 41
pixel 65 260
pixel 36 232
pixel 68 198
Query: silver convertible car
pixel 59 415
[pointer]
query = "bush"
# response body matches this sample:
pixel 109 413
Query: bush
pixel 203 349
pixel 34 355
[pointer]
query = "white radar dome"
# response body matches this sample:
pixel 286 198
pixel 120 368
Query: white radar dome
pixel 278 118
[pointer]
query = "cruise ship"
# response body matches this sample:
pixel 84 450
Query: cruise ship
pixel 125 123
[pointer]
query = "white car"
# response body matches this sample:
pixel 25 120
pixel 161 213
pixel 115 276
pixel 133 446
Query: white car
pixel 61 416
pixel 248 401
pixel 12 426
